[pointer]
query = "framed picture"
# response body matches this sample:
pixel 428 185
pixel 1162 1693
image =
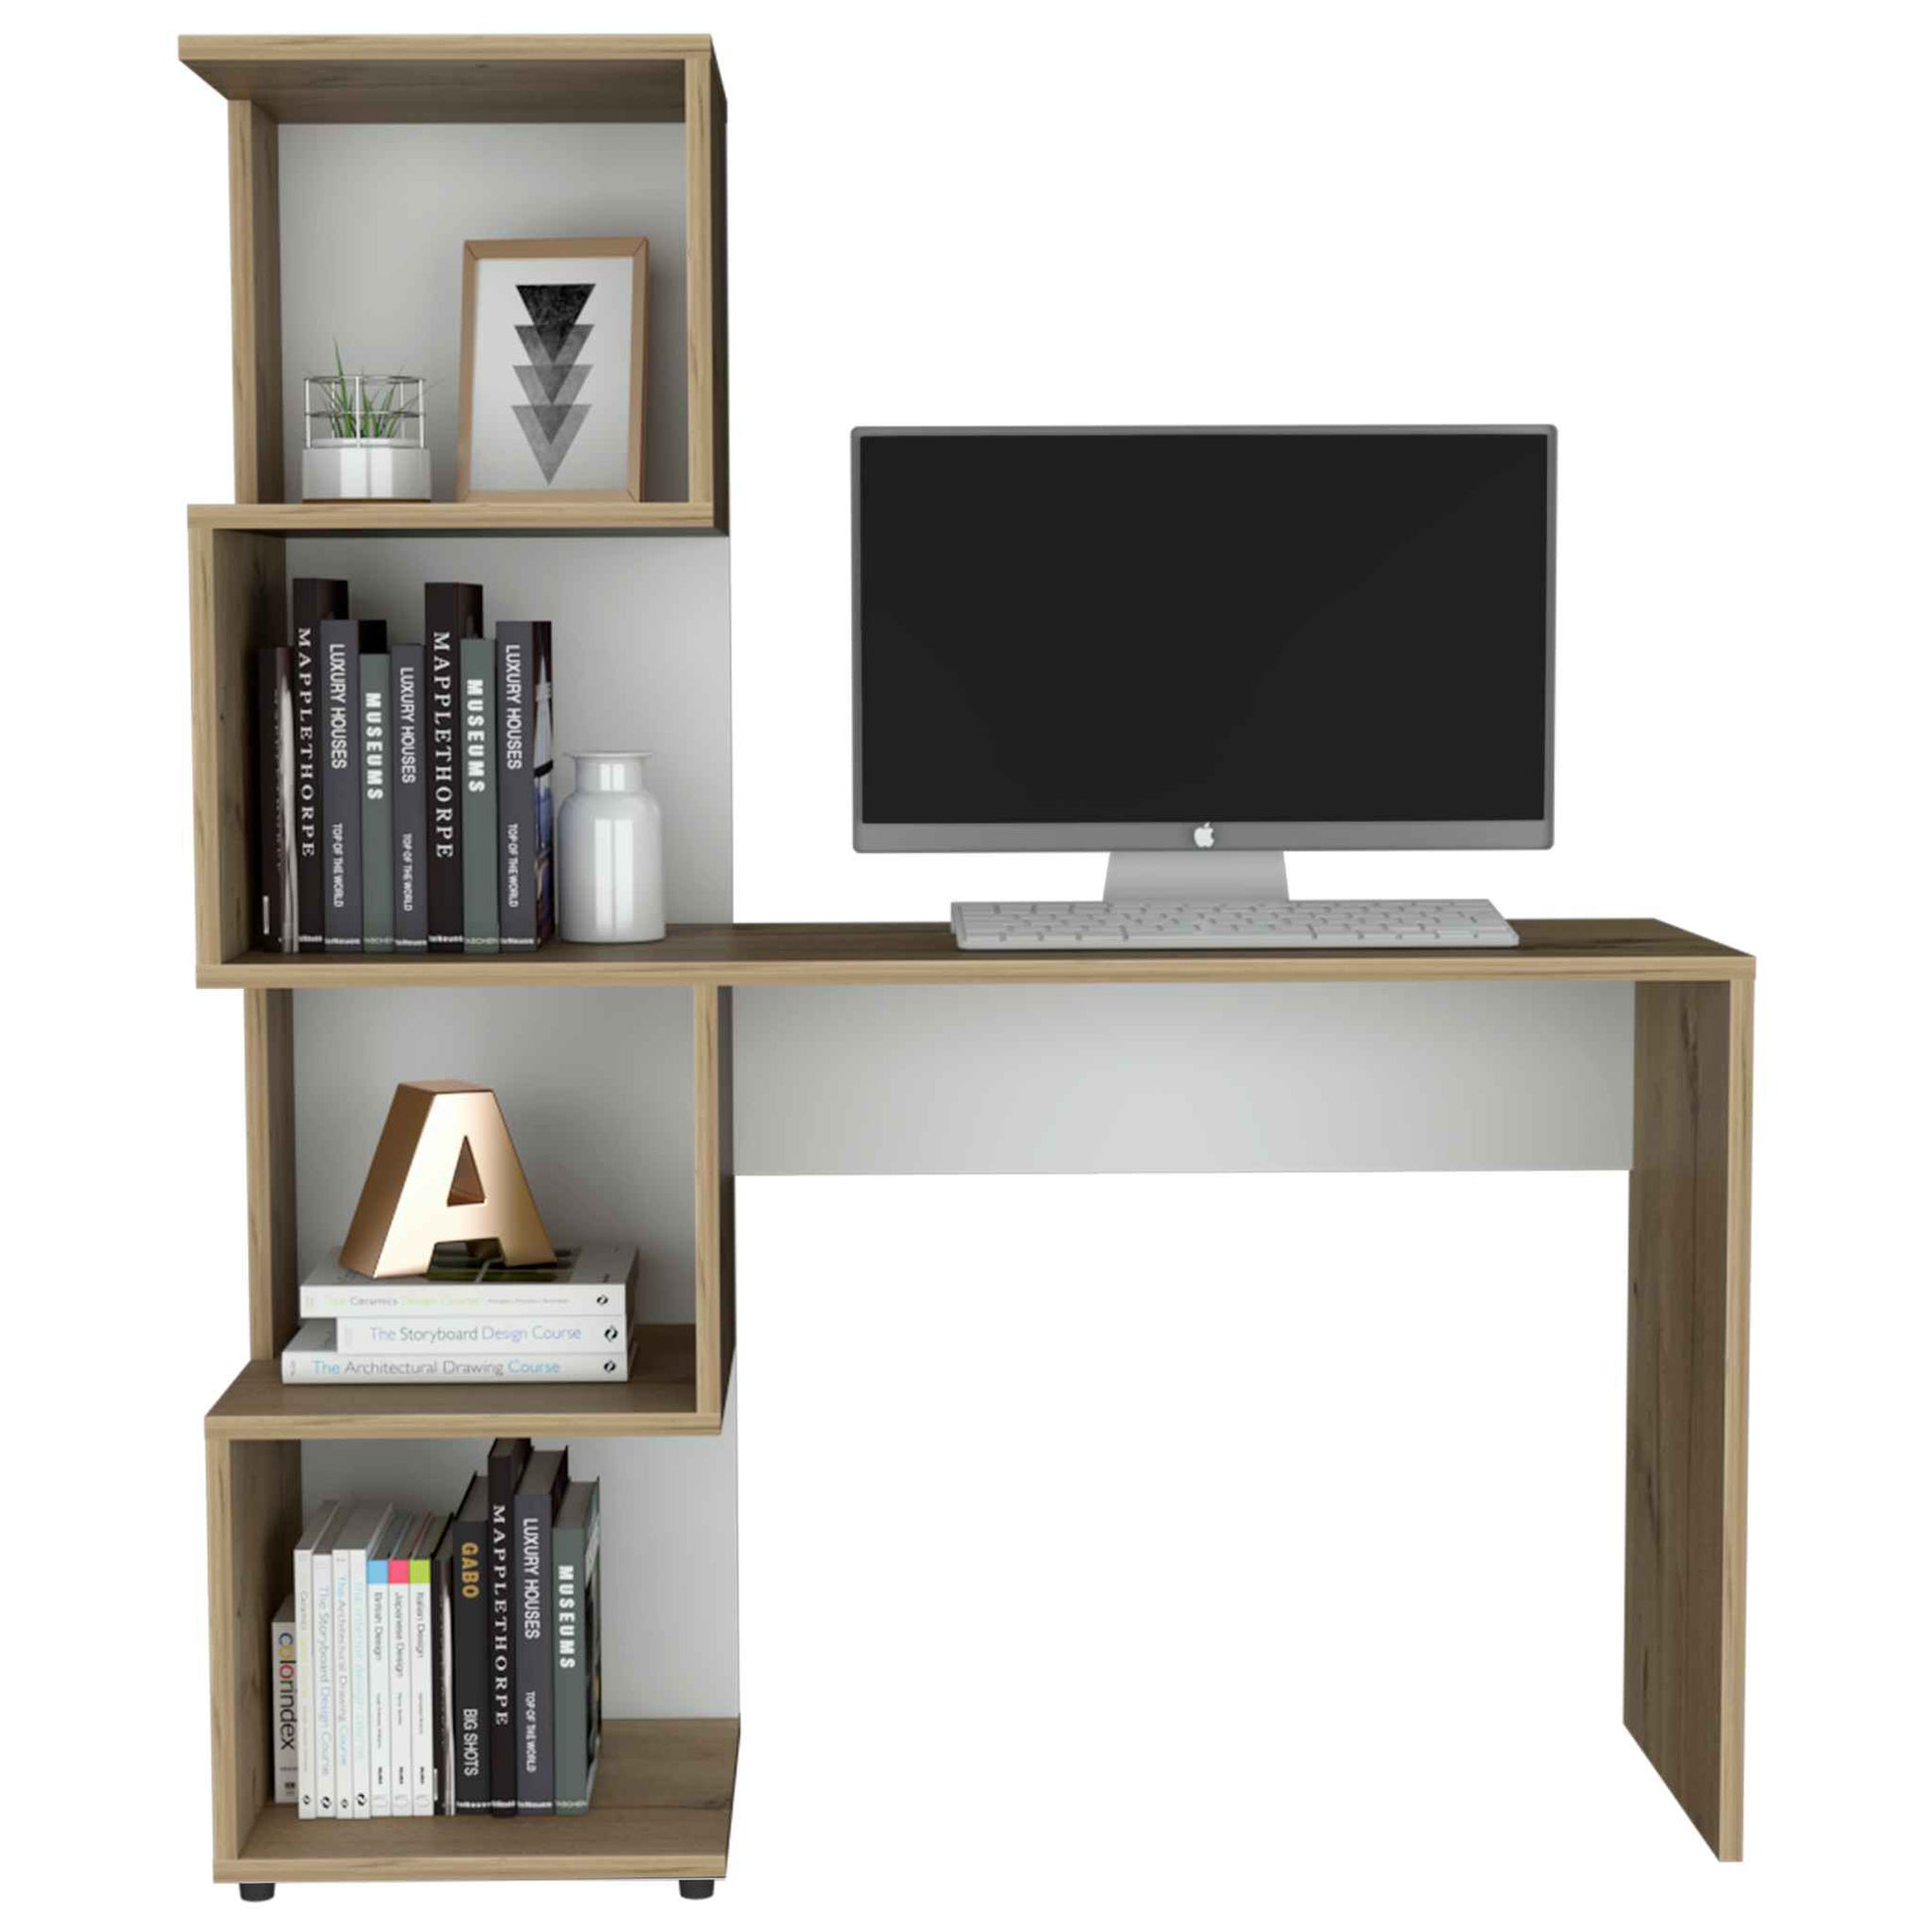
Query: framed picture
pixel 553 371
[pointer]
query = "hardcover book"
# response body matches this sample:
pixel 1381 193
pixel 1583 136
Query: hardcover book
pixel 588 1282
pixel 478 725
pixel 379 1664
pixel 361 1532
pixel 323 1572
pixel 452 612
pixel 525 892
pixel 409 791
pixel 312 1356
pixel 399 1688
pixel 284 1706
pixel 539 1496
pixel 314 1534
pixel 420 1792
pixel 375 758
pixel 277 920
pixel 313 600
pixel 466 1636
pixel 342 644
pixel 508 1456
pixel 463 1335
pixel 578 1677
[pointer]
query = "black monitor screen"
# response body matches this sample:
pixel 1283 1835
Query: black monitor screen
pixel 1062 628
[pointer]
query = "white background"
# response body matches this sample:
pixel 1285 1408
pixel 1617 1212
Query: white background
pixel 1115 1551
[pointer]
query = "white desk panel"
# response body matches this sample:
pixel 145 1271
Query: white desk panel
pixel 1182 1079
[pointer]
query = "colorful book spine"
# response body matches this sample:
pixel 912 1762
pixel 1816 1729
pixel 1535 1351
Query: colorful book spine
pixel 276 916
pixel 375 753
pixel 380 1657
pixel 468 1336
pixel 525 892
pixel 468 1639
pixel 284 1749
pixel 591 1282
pixel 579 1672
pixel 395 1593
pixel 450 612
pixel 422 1671
pixel 508 1457
pixel 482 930
pixel 313 601
pixel 537 1499
pixel 409 788
pixel 312 1356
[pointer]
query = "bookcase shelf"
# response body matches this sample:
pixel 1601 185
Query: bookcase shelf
pixel 661 1399
pixel 662 1809
pixel 560 519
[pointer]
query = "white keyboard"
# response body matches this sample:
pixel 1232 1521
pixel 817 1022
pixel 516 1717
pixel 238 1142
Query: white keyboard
pixel 1209 926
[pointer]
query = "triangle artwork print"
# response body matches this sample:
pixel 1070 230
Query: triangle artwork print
pixel 552 338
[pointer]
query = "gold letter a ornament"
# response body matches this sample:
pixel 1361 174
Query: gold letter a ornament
pixel 444 1171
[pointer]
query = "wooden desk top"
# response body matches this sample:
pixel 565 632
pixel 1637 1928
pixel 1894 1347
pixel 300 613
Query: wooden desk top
pixel 925 955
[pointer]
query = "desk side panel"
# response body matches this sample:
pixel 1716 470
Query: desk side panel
pixel 1182 1079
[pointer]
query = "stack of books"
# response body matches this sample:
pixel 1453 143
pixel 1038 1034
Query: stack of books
pixel 468 1319
pixel 430 1664
pixel 402 794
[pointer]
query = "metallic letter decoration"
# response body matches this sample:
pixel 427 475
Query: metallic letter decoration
pixel 444 1171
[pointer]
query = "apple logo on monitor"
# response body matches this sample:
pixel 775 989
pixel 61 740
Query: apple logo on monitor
pixel 1205 835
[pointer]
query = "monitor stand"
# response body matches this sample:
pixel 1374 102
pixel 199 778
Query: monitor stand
pixel 1197 874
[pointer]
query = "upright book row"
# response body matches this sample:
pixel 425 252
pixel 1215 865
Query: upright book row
pixel 403 793
pixel 445 1664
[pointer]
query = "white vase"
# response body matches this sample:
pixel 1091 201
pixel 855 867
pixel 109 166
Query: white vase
pixel 351 469
pixel 610 853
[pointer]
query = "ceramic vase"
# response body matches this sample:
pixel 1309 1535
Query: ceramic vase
pixel 610 853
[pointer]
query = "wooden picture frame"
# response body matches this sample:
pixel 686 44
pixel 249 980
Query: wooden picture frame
pixel 482 446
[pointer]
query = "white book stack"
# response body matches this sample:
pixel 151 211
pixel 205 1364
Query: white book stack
pixel 468 1320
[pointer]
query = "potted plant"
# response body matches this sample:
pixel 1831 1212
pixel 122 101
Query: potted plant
pixel 363 436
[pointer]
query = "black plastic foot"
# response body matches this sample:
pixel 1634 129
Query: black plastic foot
pixel 254 1895
pixel 696 1887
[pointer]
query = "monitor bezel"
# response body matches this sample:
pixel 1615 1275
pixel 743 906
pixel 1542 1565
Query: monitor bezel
pixel 1161 835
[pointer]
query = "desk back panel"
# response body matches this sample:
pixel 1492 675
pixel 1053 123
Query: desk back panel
pixel 1182 1079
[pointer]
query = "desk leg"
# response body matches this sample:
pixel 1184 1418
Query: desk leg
pixel 1689 1317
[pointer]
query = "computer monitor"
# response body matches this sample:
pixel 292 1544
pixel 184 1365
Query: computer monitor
pixel 1149 639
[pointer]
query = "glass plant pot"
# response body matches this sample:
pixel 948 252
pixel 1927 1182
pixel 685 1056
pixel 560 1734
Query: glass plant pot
pixel 610 853
pixel 363 436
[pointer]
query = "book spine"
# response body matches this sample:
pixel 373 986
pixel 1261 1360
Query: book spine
pixel 450 612
pixel 410 791
pixel 327 1302
pixel 313 601
pixel 326 1365
pixel 343 1646
pixel 481 925
pixel 506 1469
pixel 359 1683
pixel 485 1335
pixel 284 1740
pixel 305 1685
pixel 341 809
pixel 470 1637
pixel 523 782
pixel 323 1590
pixel 401 1690
pixel 536 1664
pixel 422 1701
pixel 264 801
pixel 376 1571
pixel 571 1676
pixel 376 757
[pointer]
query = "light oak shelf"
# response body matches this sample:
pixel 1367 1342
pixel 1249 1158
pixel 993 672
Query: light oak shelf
pixel 662 1809
pixel 555 517
pixel 925 955
pixel 661 1399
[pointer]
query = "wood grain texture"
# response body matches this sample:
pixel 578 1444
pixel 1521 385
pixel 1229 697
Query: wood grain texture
pixel 254 1510
pixel 661 1399
pixel 237 599
pixel 552 516
pixel 704 269
pixel 1689 1346
pixel 351 77
pixel 268 1062
pixel 255 302
pixel 662 1809
pixel 925 955
pixel 717 1289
